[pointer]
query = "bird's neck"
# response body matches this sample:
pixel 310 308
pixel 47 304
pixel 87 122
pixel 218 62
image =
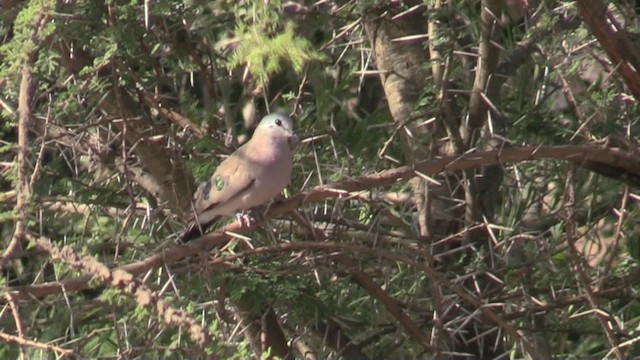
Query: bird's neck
pixel 267 147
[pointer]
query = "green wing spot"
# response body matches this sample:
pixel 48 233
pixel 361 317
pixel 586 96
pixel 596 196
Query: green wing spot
pixel 219 183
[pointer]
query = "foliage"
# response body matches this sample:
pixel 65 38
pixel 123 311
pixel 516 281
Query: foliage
pixel 264 47
pixel 134 103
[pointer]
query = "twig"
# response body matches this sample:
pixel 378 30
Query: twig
pixel 173 116
pixel 38 166
pixel 612 253
pixel 367 283
pixel 571 99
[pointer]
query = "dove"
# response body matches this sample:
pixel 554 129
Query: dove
pixel 251 176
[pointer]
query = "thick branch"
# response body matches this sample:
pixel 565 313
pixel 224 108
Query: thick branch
pixel 490 30
pixel 614 42
pixel 399 55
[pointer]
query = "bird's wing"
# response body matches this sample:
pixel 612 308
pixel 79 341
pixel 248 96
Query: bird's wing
pixel 232 178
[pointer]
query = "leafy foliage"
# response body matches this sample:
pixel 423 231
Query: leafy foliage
pixel 134 103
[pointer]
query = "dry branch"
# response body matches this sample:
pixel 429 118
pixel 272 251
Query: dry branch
pixel 24 119
pixel 30 343
pixel 17 320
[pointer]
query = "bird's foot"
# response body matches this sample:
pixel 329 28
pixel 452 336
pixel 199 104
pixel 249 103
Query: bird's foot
pixel 242 218
pixel 250 216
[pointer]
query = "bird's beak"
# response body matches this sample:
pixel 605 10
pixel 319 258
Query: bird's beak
pixel 293 140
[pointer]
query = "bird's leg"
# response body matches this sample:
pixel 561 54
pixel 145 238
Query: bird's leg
pixel 241 217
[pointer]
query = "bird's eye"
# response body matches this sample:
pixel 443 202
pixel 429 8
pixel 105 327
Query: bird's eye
pixel 278 122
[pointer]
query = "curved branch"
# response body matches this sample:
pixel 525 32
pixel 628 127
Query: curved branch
pixel 22 342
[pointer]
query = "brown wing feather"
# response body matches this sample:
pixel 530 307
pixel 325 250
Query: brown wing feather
pixel 230 179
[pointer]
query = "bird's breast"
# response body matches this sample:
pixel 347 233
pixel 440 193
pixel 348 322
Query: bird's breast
pixel 272 171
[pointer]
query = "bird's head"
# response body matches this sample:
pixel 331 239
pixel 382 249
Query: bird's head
pixel 279 124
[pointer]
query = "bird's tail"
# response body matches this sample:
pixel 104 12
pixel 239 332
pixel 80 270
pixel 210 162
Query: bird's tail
pixel 194 231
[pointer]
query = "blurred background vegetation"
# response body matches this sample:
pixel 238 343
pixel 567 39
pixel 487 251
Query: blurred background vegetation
pixel 112 112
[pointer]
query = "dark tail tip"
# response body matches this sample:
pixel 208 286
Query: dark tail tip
pixel 193 231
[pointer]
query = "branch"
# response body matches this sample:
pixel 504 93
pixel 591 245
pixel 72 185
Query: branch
pixel 376 291
pixel 17 320
pixel 367 283
pixel 623 161
pixel 263 330
pixel 333 336
pixel 172 116
pixel 399 56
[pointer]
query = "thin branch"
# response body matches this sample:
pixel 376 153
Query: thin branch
pixel 17 321
pixel 376 291
pixel 127 283
pixel 26 342
pixel 580 264
pixel 577 111
pixel 348 248
pixel 171 115
pixel 38 166
pixel 614 248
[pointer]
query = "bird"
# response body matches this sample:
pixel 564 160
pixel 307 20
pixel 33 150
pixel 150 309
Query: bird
pixel 251 176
